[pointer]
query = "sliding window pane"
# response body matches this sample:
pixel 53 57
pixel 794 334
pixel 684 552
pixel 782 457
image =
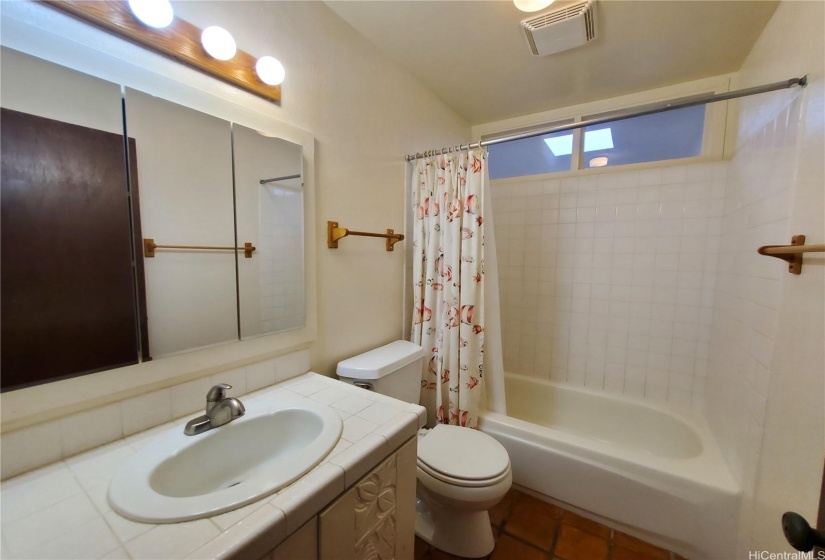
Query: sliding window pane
pixel 670 135
pixel 550 153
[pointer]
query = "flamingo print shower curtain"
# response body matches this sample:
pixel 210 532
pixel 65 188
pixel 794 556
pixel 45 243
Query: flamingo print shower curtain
pixel 448 277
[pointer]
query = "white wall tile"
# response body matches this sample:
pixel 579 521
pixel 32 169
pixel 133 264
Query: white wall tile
pixel 146 411
pixel 291 365
pixel 260 375
pixel 90 429
pixel 190 398
pixel 623 241
pixel 762 182
pixel 30 448
pixel 234 377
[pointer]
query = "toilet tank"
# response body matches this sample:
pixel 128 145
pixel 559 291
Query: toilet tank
pixel 393 370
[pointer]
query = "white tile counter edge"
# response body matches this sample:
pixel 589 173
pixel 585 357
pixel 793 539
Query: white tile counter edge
pixel 34 524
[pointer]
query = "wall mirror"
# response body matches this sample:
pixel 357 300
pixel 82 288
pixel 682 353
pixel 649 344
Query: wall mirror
pixel 92 172
pixel 269 202
pixel 69 299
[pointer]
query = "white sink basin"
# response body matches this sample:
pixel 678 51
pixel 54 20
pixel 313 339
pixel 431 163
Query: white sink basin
pixel 180 478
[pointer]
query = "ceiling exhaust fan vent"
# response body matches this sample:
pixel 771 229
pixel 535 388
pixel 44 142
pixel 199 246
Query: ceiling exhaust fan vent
pixel 561 30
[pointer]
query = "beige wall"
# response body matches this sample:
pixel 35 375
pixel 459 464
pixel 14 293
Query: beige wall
pixel 366 114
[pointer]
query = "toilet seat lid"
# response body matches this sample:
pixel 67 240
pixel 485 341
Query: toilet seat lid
pixel 462 453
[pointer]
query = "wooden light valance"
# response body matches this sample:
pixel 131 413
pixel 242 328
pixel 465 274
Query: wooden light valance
pixel 180 40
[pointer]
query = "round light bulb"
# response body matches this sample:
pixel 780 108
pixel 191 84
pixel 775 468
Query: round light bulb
pixel 153 13
pixel 270 70
pixel 532 5
pixel 218 43
pixel 598 161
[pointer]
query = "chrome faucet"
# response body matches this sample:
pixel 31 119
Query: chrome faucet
pixel 220 410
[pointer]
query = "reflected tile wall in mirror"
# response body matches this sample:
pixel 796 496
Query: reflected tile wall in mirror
pixel 271 295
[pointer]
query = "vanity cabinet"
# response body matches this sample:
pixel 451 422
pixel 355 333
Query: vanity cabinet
pixel 302 544
pixel 374 519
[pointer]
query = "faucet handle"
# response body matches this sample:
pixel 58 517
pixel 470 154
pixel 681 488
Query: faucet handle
pixel 217 393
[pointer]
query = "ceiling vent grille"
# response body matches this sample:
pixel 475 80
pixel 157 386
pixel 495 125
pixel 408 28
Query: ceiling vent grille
pixel 561 30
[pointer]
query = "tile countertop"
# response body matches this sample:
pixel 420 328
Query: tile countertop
pixel 61 511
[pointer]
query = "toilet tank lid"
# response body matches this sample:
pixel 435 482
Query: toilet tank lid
pixel 380 361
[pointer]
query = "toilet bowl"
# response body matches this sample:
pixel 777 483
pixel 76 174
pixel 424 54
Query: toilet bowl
pixel 462 473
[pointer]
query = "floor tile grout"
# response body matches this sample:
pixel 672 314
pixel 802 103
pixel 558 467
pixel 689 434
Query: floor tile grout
pixel 512 501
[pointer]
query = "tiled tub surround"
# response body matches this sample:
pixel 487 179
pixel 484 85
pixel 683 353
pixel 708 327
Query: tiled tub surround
pixel 749 293
pixel 281 258
pixel 607 280
pixel 766 362
pixel 61 511
pixel 43 444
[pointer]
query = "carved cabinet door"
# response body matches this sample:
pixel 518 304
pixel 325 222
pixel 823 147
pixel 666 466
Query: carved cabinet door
pixel 375 519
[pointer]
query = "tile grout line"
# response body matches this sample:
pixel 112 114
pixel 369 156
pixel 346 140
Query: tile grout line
pixel 557 534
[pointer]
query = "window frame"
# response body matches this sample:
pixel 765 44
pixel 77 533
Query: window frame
pixel 713 139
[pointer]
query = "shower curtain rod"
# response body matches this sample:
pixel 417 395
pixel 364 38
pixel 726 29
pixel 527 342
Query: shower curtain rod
pixel 629 113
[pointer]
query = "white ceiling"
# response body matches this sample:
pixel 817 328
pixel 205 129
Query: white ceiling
pixel 472 54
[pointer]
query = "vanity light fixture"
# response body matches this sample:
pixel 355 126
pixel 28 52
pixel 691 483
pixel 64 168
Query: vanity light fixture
pixel 532 5
pixel 218 43
pixel 153 13
pixel 270 70
pixel 598 161
pixel 212 50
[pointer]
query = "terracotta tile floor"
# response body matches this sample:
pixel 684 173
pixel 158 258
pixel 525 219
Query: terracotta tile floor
pixel 529 529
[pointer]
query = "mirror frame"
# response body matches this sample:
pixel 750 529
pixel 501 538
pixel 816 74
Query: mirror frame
pixel 40 31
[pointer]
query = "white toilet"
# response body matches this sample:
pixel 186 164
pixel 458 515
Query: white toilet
pixel 461 472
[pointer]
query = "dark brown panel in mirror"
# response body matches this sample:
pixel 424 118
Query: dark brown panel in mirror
pixel 67 285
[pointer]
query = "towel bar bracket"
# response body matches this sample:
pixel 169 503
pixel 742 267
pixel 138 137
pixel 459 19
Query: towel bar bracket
pixel 335 233
pixel 794 260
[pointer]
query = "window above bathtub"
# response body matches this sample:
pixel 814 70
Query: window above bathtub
pixel 679 136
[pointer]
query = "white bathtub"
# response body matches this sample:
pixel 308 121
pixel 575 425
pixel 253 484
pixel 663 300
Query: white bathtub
pixel 641 468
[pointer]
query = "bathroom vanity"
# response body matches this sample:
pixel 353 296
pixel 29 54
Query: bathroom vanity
pixel 358 502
